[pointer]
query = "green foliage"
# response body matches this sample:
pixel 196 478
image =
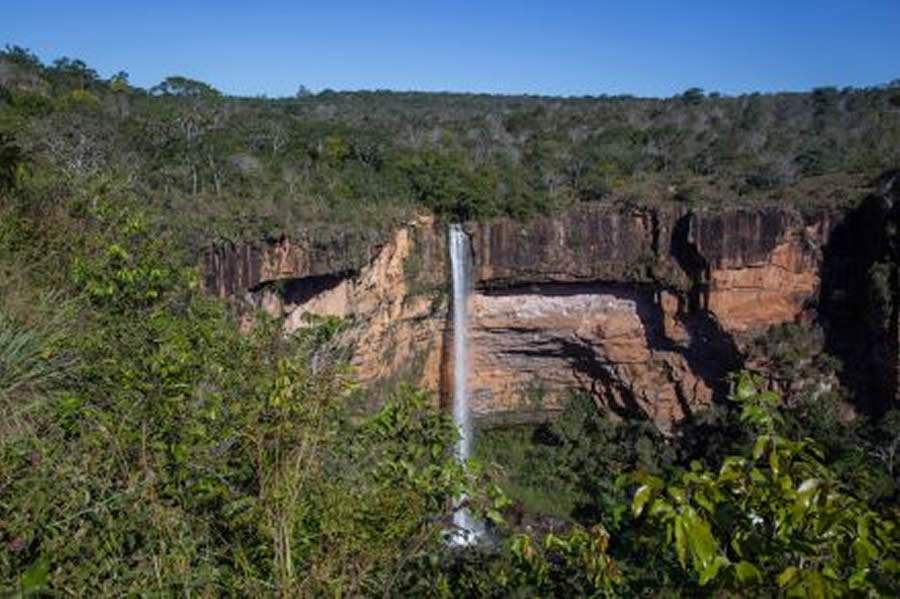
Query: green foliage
pixel 126 280
pixel 184 87
pixel 171 453
pixel 574 564
pixel 529 470
pixel 30 356
pixel 794 353
pixel 20 56
pixel 11 160
pixel 372 158
pixel 148 446
pixel 777 519
pixel 447 185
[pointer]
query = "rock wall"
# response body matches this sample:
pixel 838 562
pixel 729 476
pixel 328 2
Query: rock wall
pixel 233 268
pixel 761 267
pixel 645 309
pixel 750 268
pixel 531 347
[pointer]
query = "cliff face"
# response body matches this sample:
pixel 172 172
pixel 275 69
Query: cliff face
pixel 645 309
pixel 750 268
pixel 389 287
pixel 231 269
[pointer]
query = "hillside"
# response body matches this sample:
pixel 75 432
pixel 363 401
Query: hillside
pixel 219 165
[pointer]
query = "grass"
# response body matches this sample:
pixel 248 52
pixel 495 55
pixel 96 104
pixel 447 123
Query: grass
pixel 531 469
pixel 34 326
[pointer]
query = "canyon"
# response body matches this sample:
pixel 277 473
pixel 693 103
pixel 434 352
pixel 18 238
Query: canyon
pixel 647 309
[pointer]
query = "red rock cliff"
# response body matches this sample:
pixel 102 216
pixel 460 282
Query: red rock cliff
pixel 643 308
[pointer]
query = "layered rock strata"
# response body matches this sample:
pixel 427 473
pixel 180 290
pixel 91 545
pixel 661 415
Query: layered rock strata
pixel 645 309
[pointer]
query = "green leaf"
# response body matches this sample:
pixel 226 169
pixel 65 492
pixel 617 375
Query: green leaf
pixel 757 476
pixel 36 576
pixel 702 543
pixel 641 497
pixel 858 580
pixel 788 577
pixel 747 573
pixel 681 541
pixel 891 565
pixel 745 388
pixel 678 494
pixel 703 501
pixel 712 569
pixel 760 446
pixel 495 516
pixel 864 552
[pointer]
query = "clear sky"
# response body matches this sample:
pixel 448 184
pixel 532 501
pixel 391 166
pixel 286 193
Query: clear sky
pixel 506 46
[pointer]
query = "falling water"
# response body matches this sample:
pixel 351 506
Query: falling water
pixel 467 529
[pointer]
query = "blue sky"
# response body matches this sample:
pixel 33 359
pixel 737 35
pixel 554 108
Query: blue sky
pixel 566 48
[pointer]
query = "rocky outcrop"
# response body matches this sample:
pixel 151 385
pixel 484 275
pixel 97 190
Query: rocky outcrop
pixel 232 268
pixel 531 348
pixel 586 243
pixel 395 304
pixel 860 297
pixel 750 268
pixel 645 309
pixel 762 267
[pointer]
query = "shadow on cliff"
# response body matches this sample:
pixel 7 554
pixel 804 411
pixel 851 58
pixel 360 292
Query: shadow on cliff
pixel 711 353
pixel 690 261
pixel 858 306
pixel 300 290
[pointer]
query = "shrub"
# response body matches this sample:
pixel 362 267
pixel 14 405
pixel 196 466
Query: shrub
pixel 775 520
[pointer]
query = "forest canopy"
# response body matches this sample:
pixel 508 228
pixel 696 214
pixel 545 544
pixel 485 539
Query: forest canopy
pixel 256 166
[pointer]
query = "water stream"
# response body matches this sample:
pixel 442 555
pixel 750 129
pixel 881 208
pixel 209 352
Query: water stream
pixel 467 529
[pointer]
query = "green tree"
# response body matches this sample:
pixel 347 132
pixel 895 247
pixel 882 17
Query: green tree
pixel 775 520
pixel 177 85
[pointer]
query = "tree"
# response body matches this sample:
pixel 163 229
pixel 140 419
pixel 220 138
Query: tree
pixel 119 82
pixel 73 73
pixel 177 85
pixel 10 161
pixel 692 96
pixel 777 519
pixel 20 56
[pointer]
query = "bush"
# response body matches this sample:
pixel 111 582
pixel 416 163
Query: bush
pixel 178 455
pixel 777 520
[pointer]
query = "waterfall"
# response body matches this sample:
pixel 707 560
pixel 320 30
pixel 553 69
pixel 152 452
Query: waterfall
pixel 459 273
pixel 467 529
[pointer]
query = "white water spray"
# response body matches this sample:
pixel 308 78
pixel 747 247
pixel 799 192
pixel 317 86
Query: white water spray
pixel 467 529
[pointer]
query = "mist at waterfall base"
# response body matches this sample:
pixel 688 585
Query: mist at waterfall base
pixel 466 530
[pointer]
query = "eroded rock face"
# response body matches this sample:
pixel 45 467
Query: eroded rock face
pixel 644 309
pixel 532 347
pixel 233 268
pixel 762 266
pixel 751 268
pixel 397 316
pixel 586 243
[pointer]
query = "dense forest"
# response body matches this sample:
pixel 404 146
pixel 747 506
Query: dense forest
pixel 254 165
pixel 149 445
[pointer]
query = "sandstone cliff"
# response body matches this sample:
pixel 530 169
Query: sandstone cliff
pixel 647 309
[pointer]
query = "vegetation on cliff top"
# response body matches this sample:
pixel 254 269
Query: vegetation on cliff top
pixel 251 166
